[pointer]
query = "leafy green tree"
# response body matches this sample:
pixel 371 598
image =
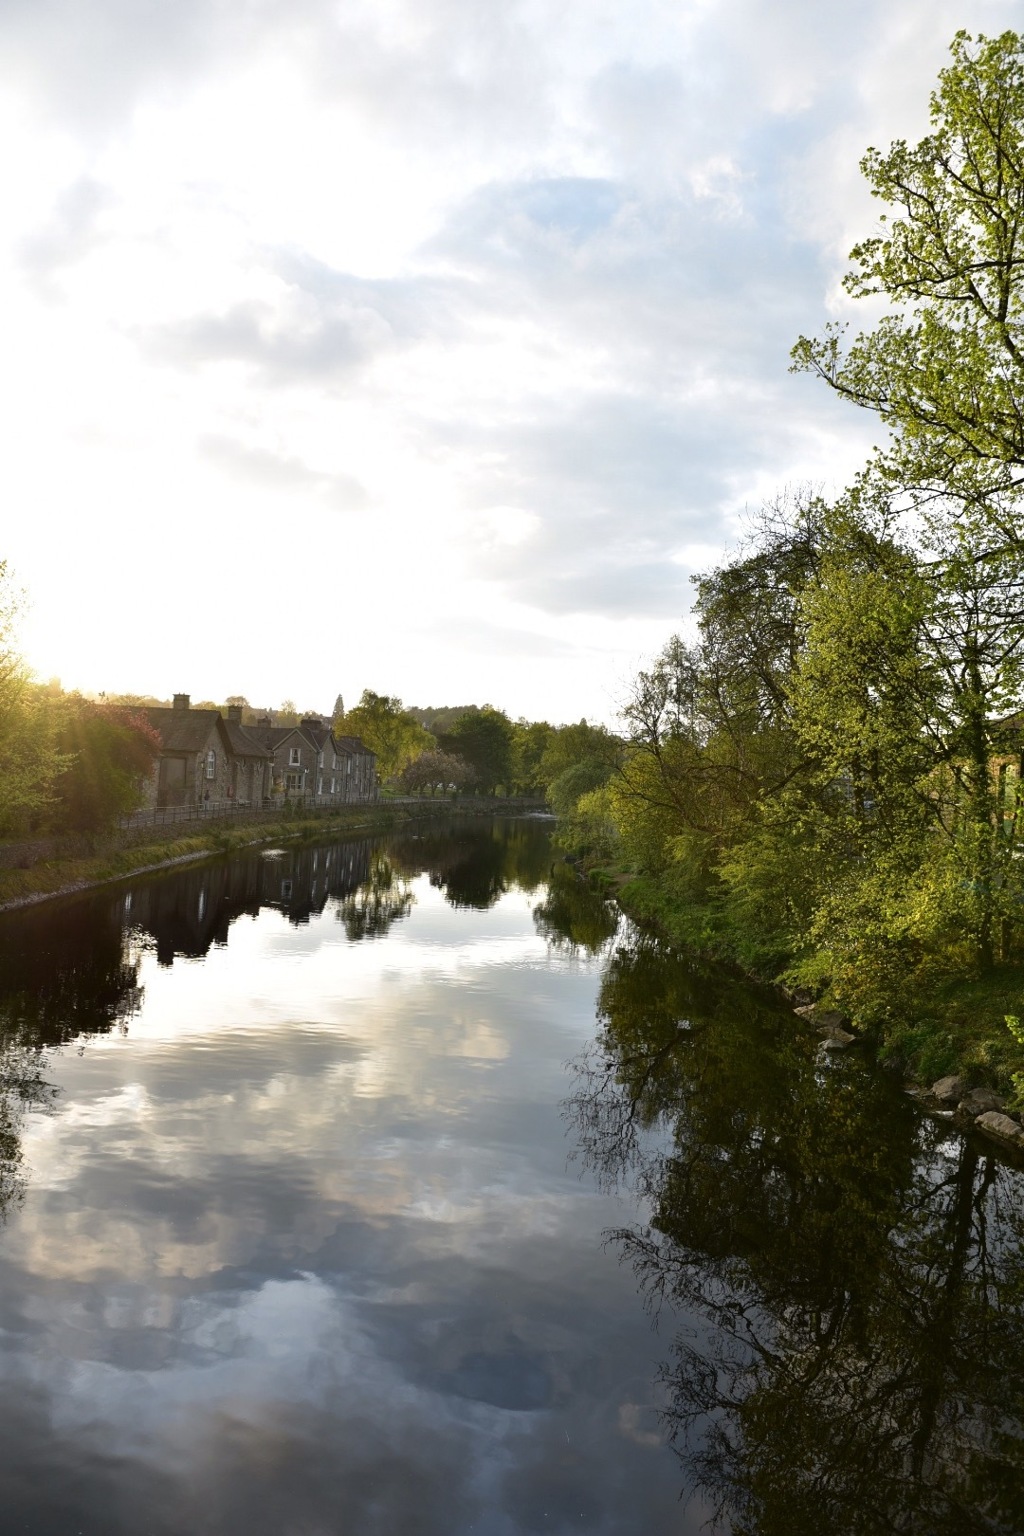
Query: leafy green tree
pixel 484 740
pixel 710 727
pixel 565 792
pixel 108 753
pixel 945 369
pixel 435 770
pixel 29 757
pixel 530 740
pixel 388 729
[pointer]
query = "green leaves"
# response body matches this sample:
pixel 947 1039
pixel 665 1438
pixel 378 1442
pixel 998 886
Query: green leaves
pixel 944 370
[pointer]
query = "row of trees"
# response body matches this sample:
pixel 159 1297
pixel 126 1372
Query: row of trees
pixel 827 776
pixel 481 747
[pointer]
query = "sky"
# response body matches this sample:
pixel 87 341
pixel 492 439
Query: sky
pixel 426 346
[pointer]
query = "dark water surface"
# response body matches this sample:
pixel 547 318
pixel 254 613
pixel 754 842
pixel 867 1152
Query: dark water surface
pixel 295 1245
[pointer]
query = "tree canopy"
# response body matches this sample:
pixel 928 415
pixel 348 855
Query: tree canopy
pixel 945 368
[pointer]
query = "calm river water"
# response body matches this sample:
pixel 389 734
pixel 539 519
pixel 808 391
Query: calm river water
pixel 394 1188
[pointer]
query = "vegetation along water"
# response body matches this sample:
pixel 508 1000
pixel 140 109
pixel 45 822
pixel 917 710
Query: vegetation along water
pixel 343 1184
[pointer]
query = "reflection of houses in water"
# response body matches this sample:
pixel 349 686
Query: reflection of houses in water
pixel 188 912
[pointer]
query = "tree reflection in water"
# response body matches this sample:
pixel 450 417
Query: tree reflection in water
pixel 474 864
pixel 381 900
pixel 846 1281
pixel 574 916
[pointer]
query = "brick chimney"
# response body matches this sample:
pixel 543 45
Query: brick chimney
pixel 181 701
pixel 235 713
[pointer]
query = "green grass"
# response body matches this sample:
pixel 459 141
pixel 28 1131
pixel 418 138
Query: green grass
pixel 961 1028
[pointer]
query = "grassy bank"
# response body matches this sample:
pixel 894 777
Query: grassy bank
pixel 162 847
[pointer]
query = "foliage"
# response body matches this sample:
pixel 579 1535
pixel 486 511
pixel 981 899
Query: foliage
pixel 108 753
pixel 572 783
pixel 388 729
pixel 1016 1029
pixel 483 739
pixel 29 759
pixel 435 770
pixel 440 718
pixel 814 783
pixel 944 369
pixel 530 741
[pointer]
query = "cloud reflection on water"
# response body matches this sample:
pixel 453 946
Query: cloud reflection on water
pixel 301 1252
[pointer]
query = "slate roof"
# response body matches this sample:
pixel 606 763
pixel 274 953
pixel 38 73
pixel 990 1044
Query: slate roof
pixel 318 734
pixel 243 742
pixel 272 736
pixel 354 745
pixel 184 730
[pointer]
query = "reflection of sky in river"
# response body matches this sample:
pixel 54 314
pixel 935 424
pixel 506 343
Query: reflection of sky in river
pixel 302 1253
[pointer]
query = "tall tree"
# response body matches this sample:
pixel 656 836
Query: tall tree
pixel 380 721
pixel 108 753
pixel 29 758
pixel 484 740
pixel 945 369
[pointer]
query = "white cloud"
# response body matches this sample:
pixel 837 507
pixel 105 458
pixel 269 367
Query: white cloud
pixel 306 288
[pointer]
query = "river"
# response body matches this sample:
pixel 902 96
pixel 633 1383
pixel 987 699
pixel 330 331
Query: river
pixel 397 1187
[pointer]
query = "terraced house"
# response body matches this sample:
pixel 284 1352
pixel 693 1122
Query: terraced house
pixel 211 760
pixel 308 759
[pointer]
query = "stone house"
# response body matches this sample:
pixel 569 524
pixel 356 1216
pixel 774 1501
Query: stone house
pixel 293 756
pixel 206 759
pixel 355 766
pixel 195 754
pixel 251 762
pixel 310 760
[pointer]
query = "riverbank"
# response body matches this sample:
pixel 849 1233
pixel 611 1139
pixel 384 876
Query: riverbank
pixel 958 1031
pixel 78 867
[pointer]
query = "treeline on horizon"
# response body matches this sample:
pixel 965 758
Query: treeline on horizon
pixel 824 782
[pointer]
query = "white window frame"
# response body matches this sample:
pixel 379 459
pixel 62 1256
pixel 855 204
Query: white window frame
pixel 211 764
pixel 294 757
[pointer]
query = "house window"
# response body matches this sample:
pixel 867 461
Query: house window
pixel 291 781
pixel 332 786
pixel 335 763
pixel 319 783
pixel 294 757
pixel 320 761
pixel 211 764
pixel 349 769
